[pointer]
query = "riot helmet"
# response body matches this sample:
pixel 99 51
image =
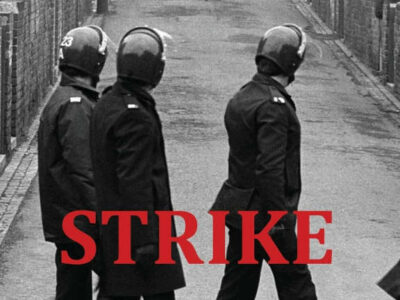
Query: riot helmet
pixel 84 49
pixel 141 56
pixel 285 46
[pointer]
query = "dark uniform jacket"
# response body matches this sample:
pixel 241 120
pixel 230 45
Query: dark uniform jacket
pixel 130 172
pixel 264 158
pixel 65 168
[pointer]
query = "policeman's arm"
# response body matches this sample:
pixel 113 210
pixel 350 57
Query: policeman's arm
pixel 73 130
pixel 272 127
pixel 134 147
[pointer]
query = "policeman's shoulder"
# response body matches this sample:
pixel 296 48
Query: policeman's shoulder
pixel 75 99
pixel 131 110
pixel 273 103
pixel 276 97
pixel 71 95
pixel 79 100
pixel 131 103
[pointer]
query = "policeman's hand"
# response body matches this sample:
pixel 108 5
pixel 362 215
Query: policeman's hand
pixel 146 255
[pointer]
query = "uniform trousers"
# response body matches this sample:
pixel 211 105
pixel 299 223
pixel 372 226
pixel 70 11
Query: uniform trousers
pixel 73 281
pixel 240 282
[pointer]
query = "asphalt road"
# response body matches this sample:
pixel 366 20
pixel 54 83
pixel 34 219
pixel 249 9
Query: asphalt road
pixel 350 161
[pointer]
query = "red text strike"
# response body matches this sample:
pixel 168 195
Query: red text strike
pixel 166 238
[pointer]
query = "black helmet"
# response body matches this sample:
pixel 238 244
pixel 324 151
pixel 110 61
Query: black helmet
pixel 84 49
pixel 284 45
pixel 141 56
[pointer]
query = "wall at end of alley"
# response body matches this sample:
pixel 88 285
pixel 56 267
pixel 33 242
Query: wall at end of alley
pixel 371 30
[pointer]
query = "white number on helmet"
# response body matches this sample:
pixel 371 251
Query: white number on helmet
pixel 67 41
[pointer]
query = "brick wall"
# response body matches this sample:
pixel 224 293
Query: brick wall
pixel 364 33
pixel 361 29
pixel 6 28
pixel 368 37
pixel 397 50
pixel 30 35
pixel 323 8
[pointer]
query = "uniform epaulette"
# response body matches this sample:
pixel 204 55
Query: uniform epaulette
pixel 75 99
pixel 280 100
pixel 131 102
pixel 276 96
pixel 132 106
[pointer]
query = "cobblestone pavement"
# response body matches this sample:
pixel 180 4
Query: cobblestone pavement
pixel 350 148
pixel 16 180
pixel 14 190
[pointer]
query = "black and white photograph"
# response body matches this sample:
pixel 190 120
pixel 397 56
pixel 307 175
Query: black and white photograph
pixel 199 149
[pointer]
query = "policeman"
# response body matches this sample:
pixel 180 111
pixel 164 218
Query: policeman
pixel 65 169
pixel 264 167
pixel 130 171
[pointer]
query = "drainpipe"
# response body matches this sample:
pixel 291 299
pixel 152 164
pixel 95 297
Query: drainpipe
pixel 391 40
pixel 379 15
pixel 102 6
pixel 379 6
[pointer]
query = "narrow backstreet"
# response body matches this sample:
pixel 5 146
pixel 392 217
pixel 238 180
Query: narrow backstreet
pixel 350 149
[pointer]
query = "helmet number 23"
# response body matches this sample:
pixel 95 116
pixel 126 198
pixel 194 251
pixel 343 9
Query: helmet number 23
pixel 67 41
